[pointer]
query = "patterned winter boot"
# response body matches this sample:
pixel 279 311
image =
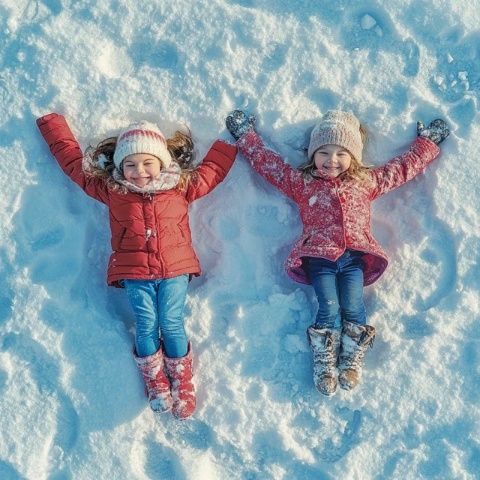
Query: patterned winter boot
pixel 354 343
pixel 324 343
pixel 180 372
pixel 156 382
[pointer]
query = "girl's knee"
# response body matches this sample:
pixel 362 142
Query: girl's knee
pixel 173 329
pixel 328 307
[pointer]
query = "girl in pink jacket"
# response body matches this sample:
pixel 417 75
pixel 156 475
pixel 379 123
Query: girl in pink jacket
pixel 336 252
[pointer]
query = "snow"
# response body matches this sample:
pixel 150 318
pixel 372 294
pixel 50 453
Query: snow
pixel 71 401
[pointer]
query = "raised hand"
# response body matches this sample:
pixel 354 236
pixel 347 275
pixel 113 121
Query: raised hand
pixel 239 123
pixel 437 131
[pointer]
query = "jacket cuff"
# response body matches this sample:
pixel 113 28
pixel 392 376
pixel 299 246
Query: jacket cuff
pixel 52 122
pixel 227 149
pixel 426 145
pixel 250 137
pixel 46 118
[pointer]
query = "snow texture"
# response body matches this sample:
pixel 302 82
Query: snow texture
pixel 71 400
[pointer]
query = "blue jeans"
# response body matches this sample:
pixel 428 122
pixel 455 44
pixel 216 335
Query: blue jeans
pixel 158 307
pixel 339 289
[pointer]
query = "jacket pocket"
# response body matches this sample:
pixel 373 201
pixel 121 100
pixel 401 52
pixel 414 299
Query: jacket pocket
pixel 185 237
pixel 132 241
pixel 172 235
pixel 117 239
pixel 369 237
pixel 306 240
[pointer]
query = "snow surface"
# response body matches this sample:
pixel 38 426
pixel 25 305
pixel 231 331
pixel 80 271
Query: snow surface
pixel 71 401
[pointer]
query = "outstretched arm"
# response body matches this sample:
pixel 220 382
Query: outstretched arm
pixel 212 170
pixel 266 162
pixel 403 168
pixel 67 152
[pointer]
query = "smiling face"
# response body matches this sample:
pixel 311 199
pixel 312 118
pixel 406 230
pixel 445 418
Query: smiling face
pixel 141 168
pixel 332 160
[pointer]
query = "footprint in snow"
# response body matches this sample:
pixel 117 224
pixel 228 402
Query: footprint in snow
pixel 441 257
pixel 9 472
pixel 162 462
pixel 44 371
pixel 334 451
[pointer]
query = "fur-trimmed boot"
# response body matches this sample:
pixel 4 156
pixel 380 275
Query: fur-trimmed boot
pixel 324 343
pixel 180 372
pixel 354 343
pixel 156 381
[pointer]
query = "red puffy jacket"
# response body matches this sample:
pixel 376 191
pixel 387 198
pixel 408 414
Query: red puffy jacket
pixel 335 212
pixel 150 233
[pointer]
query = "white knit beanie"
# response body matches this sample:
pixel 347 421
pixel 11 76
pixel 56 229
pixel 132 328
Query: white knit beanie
pixel 142 137
pixel 337 128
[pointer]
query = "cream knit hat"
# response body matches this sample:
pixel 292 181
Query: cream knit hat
pixel 337 128
pixel 142 137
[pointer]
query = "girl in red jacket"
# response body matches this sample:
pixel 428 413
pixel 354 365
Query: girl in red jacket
pixel 139 177
pixel 336 252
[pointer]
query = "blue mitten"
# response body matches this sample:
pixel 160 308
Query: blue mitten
pixel 437 131
pixel 239 123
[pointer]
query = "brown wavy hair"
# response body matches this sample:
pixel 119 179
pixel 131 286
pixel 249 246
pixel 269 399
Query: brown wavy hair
pixel 180 146
pixel 357 169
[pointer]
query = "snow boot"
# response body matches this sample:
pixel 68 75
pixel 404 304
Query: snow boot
pixel 324 343
pixel 156 382
pixel 180 373
pixel 354 343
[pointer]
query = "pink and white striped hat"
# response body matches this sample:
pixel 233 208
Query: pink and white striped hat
pixel 141 137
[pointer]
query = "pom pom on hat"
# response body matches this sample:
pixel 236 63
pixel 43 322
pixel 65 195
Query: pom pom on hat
pixel 337 128
pixel 141 137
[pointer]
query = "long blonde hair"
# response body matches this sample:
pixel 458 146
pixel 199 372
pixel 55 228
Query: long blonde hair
pixel 99 160
pixel 357 170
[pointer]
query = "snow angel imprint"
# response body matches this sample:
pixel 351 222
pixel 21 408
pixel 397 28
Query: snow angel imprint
pixel 336 252
pixel 148 182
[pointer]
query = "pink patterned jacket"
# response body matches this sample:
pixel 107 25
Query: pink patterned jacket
pixel 335 212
